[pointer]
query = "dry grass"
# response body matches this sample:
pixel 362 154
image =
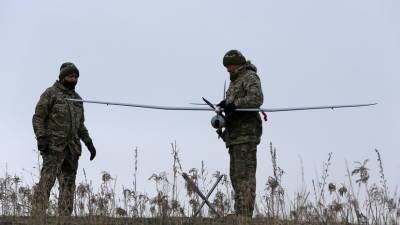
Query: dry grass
pixel 354 201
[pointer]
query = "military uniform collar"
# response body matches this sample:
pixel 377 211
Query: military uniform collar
pixel 241 71
pixel 58 85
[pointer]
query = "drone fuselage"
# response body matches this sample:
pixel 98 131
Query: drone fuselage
pixel 218 121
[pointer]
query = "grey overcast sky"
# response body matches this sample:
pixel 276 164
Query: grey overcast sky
pixel 308 52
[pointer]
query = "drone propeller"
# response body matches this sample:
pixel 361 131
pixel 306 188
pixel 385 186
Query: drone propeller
pixel 218 121
pixel 209 103
pixel 224 95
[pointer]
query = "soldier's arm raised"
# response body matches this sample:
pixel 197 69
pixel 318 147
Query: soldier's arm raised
pixel 254 97
pixel 41 114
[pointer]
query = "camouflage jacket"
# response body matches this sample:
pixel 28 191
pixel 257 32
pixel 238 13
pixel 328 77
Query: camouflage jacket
pixel 61 121
pixel 245 92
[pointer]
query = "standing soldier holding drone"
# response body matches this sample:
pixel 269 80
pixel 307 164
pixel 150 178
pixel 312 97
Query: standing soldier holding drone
pixel 242 129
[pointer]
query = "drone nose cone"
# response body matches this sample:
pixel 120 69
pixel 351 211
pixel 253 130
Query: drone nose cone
pixel 218 122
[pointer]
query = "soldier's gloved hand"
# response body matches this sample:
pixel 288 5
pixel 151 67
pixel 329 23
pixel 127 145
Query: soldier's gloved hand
pixel 222 104
pixel 43 144
pixel 92 150
pixel 230 107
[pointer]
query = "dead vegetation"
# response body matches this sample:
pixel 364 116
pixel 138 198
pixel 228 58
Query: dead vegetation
pixel 354 201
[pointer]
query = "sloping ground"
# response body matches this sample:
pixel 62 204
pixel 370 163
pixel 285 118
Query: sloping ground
pixel 149 221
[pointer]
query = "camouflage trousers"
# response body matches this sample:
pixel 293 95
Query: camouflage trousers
pixel 243 165
pixel 63 167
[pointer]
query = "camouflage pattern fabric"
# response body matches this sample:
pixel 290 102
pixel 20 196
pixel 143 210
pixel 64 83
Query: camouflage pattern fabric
pixel 61 121
pixel 56 165
pixel 243 165
pixel 245 92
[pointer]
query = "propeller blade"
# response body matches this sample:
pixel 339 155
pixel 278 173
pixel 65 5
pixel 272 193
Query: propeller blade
pixel 209 103
pixel 224 90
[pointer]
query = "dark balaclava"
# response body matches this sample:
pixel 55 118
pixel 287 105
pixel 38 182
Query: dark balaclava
pixel 66 69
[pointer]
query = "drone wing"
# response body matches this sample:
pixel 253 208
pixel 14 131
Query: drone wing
pixel 211 109
pixel 144 106
pixel 303 108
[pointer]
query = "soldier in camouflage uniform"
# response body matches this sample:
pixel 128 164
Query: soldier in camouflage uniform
pixel 243 129
pixel 59 127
